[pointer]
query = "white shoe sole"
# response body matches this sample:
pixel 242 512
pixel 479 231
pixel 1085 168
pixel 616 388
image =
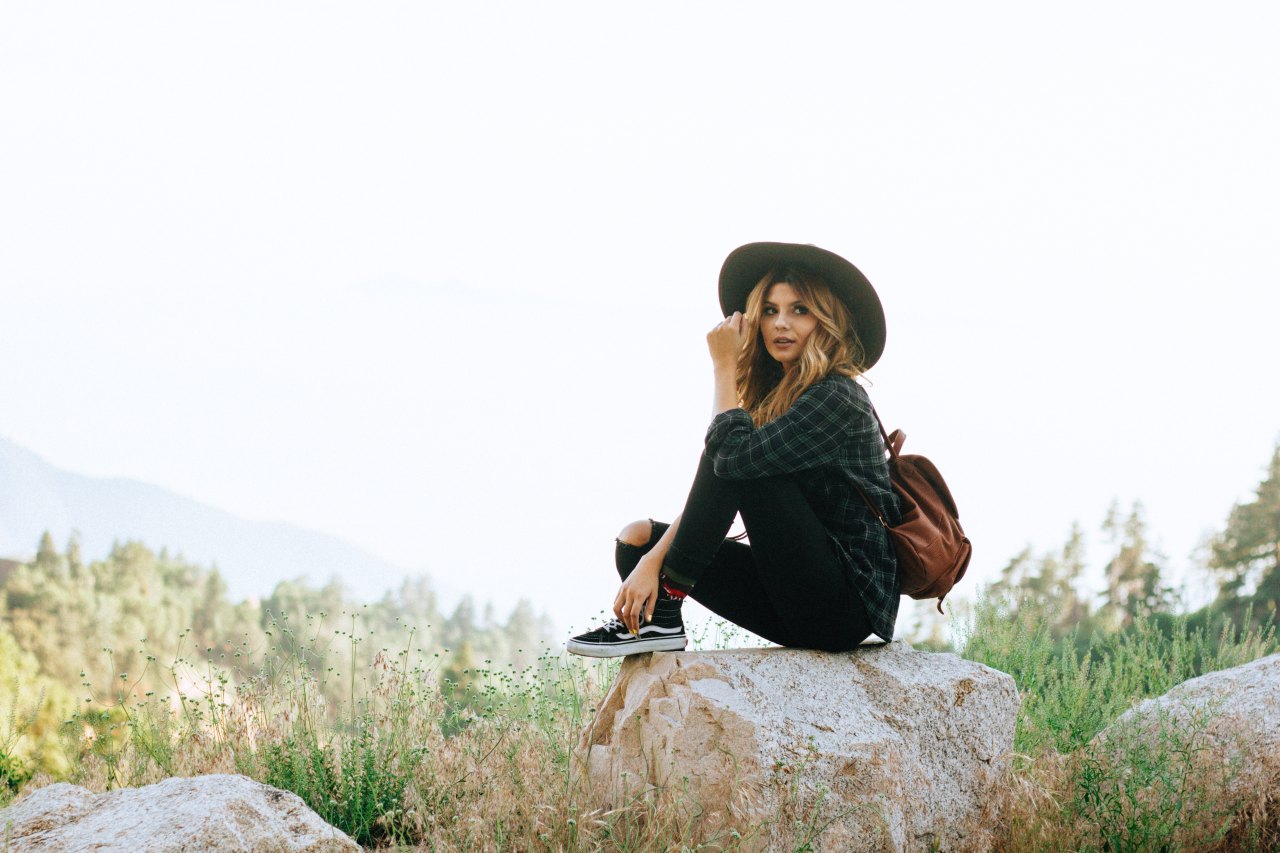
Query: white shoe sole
pixel 632 647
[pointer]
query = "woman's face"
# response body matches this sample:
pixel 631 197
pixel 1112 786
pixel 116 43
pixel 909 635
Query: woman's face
pixel 785 324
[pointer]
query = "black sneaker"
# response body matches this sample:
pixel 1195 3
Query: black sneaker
pixel 612 639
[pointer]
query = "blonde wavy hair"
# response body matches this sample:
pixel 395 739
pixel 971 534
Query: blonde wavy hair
pixel 765 390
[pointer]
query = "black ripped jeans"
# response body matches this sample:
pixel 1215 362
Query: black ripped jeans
pixel 788 585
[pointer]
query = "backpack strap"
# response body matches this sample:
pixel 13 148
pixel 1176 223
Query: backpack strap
pixel 875 510
pixel 892 443
pixel 871 505
pixel 880 423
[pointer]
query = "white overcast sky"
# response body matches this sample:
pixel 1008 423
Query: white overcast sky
pixel 435 277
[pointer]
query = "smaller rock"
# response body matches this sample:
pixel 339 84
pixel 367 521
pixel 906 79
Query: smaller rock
pixel 1233 713
pixel 1209 747
pixel 218 812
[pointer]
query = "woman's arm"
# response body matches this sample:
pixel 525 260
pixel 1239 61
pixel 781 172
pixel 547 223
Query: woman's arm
pixel 638 594
pixel 813 432
pixel 725 342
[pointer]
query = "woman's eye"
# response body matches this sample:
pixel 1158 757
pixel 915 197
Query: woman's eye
pixel 800 309
pixel 769 312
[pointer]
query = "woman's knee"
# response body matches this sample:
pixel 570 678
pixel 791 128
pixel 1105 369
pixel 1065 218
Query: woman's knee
pixel 637 533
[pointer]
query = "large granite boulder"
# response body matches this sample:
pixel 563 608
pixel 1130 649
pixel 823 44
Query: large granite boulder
pixel 219 812
pixel 882 748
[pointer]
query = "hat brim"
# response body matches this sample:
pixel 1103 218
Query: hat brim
pixel 746 265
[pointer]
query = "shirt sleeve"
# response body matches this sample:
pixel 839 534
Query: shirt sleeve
pixel 808 435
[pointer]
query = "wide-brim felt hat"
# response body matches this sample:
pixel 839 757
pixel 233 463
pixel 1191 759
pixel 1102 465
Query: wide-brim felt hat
pixel 746 265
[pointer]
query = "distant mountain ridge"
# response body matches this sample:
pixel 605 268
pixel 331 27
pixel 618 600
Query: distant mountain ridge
pixel 252 556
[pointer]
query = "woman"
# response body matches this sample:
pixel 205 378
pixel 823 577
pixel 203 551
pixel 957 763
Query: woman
pixel 792 442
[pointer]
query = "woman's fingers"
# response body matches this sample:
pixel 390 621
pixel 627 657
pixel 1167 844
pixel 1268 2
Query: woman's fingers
pixel 726 339
pixel 628 607
pixel 635 608
pixel 638 610
pixel 733 321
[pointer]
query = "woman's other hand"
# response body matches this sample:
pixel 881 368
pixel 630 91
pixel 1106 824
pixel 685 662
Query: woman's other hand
pixel 725 341
pixel 638 594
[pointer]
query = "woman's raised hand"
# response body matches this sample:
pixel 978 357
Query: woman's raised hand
pixel 725 340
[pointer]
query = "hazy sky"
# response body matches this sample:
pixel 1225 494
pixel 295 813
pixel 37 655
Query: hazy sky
pixel 436 277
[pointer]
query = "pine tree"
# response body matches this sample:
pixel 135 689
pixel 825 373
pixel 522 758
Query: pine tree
pixel 525 634
pixel 460 627
pixel 1247 552
pixel 75 561
pixel 1050 581
pixel 47 558
pixel 1134 587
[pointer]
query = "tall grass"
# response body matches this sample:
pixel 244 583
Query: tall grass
pixel 425 757
pixel 422 756
pixel 1153 783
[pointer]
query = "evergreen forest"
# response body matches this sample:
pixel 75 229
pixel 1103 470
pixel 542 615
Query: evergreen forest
pixel 1242 560
pixel 142 623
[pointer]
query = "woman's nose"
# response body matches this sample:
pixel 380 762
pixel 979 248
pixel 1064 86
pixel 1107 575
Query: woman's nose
pixel 780 321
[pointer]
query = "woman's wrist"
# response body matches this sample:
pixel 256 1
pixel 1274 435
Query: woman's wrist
pixel 658 552
pixel 726 389
pixel 651 563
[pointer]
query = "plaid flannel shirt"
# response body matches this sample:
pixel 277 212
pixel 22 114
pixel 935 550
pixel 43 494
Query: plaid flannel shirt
pixel 828 441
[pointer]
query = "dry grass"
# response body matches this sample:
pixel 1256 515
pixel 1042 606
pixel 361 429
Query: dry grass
pixel 485 761
pixel 1043 809
pixel 481 764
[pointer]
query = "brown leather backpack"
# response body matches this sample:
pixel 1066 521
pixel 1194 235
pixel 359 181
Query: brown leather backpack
pixel 932 550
